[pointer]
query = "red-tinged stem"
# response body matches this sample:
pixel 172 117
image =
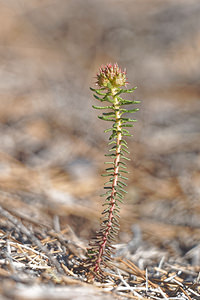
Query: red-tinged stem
pixel 113 191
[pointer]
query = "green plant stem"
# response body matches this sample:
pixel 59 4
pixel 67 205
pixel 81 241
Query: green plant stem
pixel 114 183
pixel 110 80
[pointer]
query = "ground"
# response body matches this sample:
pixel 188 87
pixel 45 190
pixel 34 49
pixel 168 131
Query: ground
pixel 52 148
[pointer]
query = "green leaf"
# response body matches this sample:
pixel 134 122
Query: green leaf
pixel 122 163
pixel 113 135
pixel 125 178
pixel 129 90
pixel 100 93
pixel 107 187
pixel 106 118
pixel 124 157
pixel 123 167
pixel 98 90
pixel 128 120
pixel 125 131
pixel 122 190
pixel 123 171
pixel 116 218
pixel 121 91
pixel 120 200
pixel 105 175
pixel 125 150
pixel 120 185
pixel 105 211
pixel 116 210
pixel 102 107
pixel 107 98
pixel 119 195
pixel 109 129
pixel 105 194
pixel 121 182
pixel 109 169
pixel 109 114
pixel 129 110
pixel 106 183
pixel 127 102
pixel 124 142
pixel 127 125
pixel 124 145
pixel 112 155
pixel 98 98
pixel 112 142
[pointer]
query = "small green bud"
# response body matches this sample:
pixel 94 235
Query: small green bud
pixel 111 76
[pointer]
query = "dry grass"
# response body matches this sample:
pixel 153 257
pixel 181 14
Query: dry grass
pixel 33 261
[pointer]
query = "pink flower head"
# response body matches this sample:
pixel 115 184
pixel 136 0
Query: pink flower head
pixel 111 76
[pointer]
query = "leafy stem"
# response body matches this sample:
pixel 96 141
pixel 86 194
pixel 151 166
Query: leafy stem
pixel 110 80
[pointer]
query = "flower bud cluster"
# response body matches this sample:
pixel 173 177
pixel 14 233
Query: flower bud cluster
pixel 111 76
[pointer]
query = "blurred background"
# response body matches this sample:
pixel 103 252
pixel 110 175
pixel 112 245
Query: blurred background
pixel 52 143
